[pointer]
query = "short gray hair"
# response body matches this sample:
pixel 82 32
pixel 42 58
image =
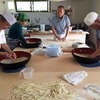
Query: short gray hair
pixel 2 18
pixel 61 6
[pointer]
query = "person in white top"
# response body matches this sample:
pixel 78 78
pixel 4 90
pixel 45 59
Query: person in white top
pixel 6 20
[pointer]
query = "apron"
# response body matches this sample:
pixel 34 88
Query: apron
pixel 12 43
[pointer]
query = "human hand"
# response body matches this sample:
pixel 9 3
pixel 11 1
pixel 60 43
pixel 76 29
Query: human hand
pixel 59 38
pixel 64 38
pixel 8 55
pixel 13 55
pixel 95 54
pixel 27 42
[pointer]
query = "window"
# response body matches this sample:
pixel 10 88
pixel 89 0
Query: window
pixel 23 6
pixel 32 5
pixel 10 5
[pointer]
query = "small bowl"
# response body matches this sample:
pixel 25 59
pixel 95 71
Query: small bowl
pixel 34 42
pixel 19 64
pixel 84 51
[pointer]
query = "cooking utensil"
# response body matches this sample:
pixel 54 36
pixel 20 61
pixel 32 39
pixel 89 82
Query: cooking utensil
pixel 19 64
pixel 34 42
pixel 85 51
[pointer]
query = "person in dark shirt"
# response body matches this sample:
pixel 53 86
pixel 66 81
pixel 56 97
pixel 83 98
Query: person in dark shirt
pixel 15 34
pixel 93 20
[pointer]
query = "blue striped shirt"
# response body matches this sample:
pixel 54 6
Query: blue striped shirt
pixel 60 24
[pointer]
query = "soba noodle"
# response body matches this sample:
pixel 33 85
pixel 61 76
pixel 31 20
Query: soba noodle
pixel 11 61
pixel 82 55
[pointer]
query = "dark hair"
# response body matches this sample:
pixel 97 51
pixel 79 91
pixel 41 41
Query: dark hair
pixel 2 18
pixel 28 20
pixel 61 6
pixel 25 20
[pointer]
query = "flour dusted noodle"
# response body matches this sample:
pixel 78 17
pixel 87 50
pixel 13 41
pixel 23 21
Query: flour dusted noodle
pixel 82 55
pixel 42 91
pixel 11 61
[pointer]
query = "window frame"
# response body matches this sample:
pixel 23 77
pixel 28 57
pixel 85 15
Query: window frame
pixel 48 5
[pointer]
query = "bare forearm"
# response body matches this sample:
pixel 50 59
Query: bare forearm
pixel 6 48
pixel 54 32
pixel 67 32
pixel 97 44
pixel 95 54
pixel 1 53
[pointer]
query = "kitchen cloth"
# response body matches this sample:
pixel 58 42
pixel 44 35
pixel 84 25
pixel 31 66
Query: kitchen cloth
pixel 75 77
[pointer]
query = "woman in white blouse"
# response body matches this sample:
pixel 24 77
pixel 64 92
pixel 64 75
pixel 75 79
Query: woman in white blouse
pixel 6 20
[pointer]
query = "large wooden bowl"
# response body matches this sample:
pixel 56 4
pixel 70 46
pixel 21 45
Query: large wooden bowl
pixel 34 42
pixel 86 51
pixel 19 64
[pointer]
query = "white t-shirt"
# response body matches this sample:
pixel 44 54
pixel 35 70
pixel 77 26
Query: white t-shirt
pixel 2 37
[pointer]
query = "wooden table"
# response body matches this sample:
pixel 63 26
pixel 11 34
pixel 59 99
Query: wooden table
pixel 49 69
pixel 50 35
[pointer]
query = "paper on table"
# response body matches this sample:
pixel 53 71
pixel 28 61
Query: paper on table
pixel 75 77
pixel 39 51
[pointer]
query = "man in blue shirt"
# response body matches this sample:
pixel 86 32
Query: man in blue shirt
pixel 60 24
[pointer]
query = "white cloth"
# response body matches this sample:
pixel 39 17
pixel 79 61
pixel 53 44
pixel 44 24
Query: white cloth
pixel 9 17
pixel 2 37
pixel 61 36
pixel 75 77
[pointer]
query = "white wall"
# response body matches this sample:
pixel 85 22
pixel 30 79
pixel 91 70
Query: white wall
pixel 95 6
pixel 79 10
pixel 3 6
pixel 44 17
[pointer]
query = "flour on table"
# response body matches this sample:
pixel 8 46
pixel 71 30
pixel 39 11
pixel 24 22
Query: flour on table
pixel 93 91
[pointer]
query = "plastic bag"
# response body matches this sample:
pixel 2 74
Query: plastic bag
pixel 53 50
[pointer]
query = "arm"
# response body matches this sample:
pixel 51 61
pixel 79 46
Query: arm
pixel 10 54
pixel 6 55
pixel 55 33
pixel 20 34
pixel 97 39
pixel 97 44
pixel 67 32
pixel 95 54
pixel 68 23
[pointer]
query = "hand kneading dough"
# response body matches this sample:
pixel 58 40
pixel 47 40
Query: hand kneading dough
pixel 11 61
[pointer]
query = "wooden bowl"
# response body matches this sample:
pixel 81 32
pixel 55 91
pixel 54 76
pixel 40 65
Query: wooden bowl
pixel 19 64
pixel 77 52
pixel 34 42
